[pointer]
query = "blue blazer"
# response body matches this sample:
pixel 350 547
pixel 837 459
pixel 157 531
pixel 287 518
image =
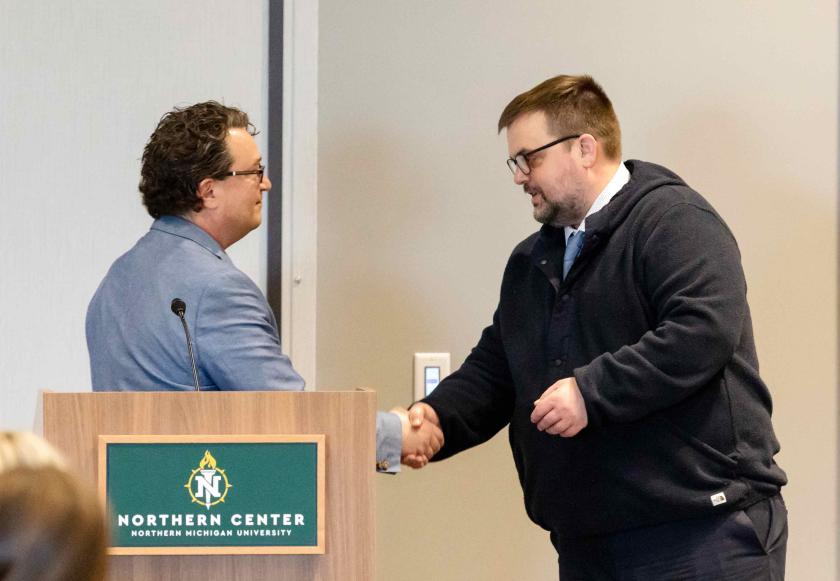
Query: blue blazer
pixel 136 343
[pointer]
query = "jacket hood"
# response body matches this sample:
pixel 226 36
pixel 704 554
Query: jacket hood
pixel 644 178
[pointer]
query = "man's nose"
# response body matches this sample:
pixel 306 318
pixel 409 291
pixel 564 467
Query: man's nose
pixel 520 177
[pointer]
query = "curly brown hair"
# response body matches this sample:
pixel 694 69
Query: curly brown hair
pixel 187 146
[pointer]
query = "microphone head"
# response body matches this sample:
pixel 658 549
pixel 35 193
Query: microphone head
pixel 178 307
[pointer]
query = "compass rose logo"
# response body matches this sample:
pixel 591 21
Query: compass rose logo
pixel 208 484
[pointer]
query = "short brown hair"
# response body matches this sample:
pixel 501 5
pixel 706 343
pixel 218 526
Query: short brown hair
pixel 52 527
pixel 573 104
pixel 187 146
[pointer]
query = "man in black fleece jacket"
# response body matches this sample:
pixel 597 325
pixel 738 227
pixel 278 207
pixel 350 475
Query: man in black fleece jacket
pixel 622 357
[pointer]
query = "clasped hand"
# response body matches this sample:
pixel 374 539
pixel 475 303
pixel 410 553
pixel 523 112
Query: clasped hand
pixel 560 410
pixel 421 434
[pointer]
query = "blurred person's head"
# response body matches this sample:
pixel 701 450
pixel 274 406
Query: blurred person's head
pixel 51 524
pixel 26 450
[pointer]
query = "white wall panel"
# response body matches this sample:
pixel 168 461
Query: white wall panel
pixel 82 86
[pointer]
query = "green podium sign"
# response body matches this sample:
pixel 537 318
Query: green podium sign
pixel 177 495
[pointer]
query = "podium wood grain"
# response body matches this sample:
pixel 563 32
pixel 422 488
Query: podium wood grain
pixel 73 421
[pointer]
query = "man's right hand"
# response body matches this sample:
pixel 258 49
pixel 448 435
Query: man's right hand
pixel 422 417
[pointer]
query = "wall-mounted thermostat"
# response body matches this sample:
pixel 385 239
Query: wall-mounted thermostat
pixel 429 370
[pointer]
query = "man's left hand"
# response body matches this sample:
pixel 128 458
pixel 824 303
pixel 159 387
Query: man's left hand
pixel 560 411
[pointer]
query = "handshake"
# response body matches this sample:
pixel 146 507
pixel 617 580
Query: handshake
pixel 421 434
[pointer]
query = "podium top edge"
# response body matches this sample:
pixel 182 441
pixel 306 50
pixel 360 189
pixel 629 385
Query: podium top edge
pixel 274 393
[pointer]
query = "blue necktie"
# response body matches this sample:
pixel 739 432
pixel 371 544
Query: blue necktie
pixel 573 246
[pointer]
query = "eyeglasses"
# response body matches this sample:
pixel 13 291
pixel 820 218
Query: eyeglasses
pixel 521 160
pixel 260 171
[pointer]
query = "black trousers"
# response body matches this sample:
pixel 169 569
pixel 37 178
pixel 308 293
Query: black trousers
pixel 744 545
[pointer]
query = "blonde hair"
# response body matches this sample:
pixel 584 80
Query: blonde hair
pixel 24 449
pixel 573 105
pixel 52 527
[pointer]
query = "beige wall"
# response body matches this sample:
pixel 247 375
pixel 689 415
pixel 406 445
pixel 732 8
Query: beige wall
pixel 417 215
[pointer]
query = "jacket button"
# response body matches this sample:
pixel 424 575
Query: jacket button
pixel 557 362
pixel 564 298
pixel 543 262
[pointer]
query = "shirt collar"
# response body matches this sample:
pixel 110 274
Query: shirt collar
pixel 182 227
pixel 618 181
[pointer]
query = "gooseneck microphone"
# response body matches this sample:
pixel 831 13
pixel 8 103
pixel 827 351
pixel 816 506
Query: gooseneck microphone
pixel 179 307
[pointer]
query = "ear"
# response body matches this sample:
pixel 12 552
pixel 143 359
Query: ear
pixel 206 193
pixel 588 150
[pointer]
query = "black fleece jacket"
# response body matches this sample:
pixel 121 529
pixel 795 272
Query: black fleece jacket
pixel 653 323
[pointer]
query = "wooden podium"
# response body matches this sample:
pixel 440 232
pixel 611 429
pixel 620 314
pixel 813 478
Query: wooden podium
pixel 72 422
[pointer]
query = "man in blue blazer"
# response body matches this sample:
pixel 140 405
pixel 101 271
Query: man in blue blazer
pixel 202 179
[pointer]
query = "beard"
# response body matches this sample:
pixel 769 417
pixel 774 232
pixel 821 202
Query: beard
pixel 568 211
